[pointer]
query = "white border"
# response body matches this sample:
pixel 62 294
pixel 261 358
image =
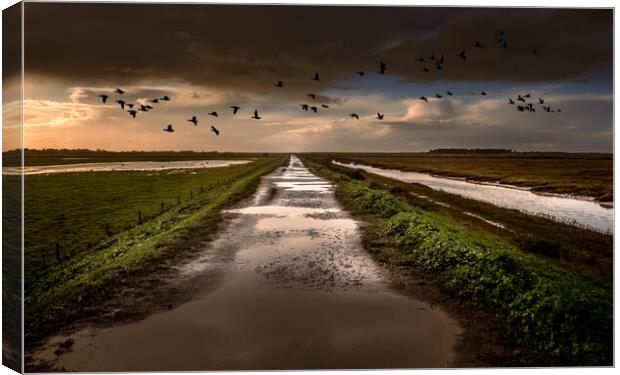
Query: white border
pixel 479 3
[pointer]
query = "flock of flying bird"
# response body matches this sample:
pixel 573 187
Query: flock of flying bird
pixel 436 61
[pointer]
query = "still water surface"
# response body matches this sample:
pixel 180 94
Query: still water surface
pixel 124 166
pixel 582 212
pixel 296 290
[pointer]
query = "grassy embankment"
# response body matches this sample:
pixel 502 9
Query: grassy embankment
pixel 585 251
pixel 560 173
pixel 72 209
pixel 556 316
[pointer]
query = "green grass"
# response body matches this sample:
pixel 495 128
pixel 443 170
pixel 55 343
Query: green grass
pixel 561 173
pixel 11 271
pixel 72 209
pixel 57 157
pixel 585 251
pixel 555 315
pixel 59 292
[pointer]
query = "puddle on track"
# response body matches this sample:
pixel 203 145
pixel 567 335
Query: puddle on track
pixel 298 292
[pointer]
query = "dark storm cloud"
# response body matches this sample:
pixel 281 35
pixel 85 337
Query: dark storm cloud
pixel 250 47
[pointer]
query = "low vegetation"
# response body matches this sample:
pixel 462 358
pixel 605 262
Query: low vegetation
pixel 34 157
pixel 98 261
pixel 556 316
pixel 561 173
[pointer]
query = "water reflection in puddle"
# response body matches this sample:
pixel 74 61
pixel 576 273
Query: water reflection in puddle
pixel 585 213
pixel 298 292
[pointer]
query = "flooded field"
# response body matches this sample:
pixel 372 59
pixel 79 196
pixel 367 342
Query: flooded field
pixel 285 285
pixel 124 166
pixel 582 212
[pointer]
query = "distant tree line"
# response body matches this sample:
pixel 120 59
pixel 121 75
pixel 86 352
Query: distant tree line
pixel 471 151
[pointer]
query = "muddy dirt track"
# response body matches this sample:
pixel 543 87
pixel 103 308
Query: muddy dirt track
pixel 285 285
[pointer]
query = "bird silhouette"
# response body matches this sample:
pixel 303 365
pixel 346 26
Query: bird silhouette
pixel 520 98
pixel 421 59
pixel 121 103
pixel 312 96
pixel 355 116
pixel 143 108
pixel 193 120
pixel 432 57
pixel 235 109
pixel 382 67
pixel 449 93
pixel 215 130
pixel 380 116
pixel 425 70
pixel 541 100
pixel 559 110
pixel 324 106
pixel 510 101
pixel 316 77
pixel 165 98
pixel 438 96
pixel 103 97
pixel 531 107
pixel 360 73
pixel 548 109
pixel 154 101
pixel 534 51
pixel 119 91
pixel 483 93
pixel 130 105
pixel 526 95
pixel 521 108
pixel 133 113
pixel 214 114
pixel 462 55
pixel 169 129
pixel 478 45
pixel 424 98
pixel 256 116
pixel 148 107
pixel 504 45
pixel 279 84
pixel 441 60
pixel 313 109
pixel 438 66
pixel 304 107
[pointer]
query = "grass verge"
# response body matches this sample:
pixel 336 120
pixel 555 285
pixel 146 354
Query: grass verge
pixel 74 287
pixel 557 317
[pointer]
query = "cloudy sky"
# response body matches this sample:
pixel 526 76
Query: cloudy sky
pixel 209 57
